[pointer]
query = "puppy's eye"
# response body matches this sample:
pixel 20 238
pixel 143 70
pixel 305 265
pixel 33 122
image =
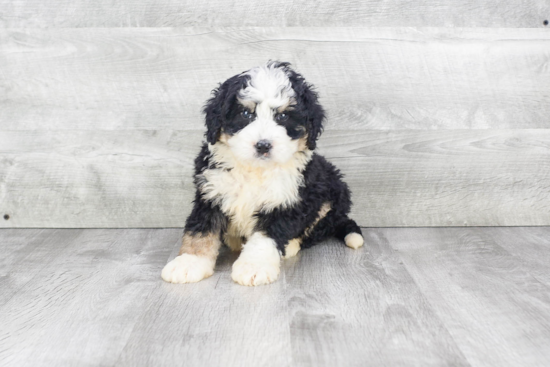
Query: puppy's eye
pixel 282 117
pixel 247 114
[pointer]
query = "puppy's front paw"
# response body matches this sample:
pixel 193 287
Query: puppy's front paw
pixel 251 274
pixel 187 268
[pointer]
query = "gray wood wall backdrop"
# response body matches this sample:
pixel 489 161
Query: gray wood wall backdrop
pixel 439 112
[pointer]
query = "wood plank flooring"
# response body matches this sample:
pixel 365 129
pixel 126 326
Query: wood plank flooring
pixel 410 297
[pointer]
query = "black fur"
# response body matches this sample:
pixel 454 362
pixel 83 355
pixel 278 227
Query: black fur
pixel 308 106
pixel 322 181
pixel 223 102
pixel 205 216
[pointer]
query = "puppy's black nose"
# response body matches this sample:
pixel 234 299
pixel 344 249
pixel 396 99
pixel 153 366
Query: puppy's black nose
pixel 263 146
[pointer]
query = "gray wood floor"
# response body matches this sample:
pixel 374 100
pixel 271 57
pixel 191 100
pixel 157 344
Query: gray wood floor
pixel 411 297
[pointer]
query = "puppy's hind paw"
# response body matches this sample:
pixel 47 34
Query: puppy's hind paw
pixel 187 268
pixel 354 240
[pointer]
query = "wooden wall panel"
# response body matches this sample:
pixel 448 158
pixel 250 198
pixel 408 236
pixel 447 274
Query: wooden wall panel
pixel 445 178
pixel 79 178
pixel 75 179
pixel 177 13
pixel 368 78
pixel 100 104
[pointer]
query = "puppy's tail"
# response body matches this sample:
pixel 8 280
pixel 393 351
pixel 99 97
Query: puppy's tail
pixel 349 232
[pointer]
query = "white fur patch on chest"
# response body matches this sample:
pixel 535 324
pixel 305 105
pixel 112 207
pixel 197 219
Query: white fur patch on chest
pixel 241 191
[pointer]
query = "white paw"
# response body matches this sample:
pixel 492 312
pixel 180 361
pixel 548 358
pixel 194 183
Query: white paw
pixel 354 240
pixel 258 263
pixel 187 268
pixel 251 274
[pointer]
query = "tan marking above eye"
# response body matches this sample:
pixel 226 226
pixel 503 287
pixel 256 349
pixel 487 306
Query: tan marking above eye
pixel 289 106
pixel 285 109
pixel 251 105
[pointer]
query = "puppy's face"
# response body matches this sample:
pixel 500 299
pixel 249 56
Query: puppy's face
pixel 265 115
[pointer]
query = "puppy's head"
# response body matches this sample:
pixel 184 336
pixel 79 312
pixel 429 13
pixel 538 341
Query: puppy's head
pixel 264 115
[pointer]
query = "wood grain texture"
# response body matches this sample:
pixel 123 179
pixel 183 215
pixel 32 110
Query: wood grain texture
pixel 368 78
pixel 25 253
pixel 531 245
pixel 172 13
pixel 445 178
pixel 410 297
pixel 80 308
pixel 398 178
pixel 493 305
pixel 97 178
pixel 215 322
pixel 362 308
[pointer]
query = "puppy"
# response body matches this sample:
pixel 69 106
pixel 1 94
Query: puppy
pixel 260 188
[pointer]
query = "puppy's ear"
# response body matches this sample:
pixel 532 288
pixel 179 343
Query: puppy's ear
pixel 315 114
pixel 214 117
pixel 218 107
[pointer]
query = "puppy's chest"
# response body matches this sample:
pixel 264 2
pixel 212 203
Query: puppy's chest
pixel 242 192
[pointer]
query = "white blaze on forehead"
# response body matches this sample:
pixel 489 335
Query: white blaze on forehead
pixel 268 84
pixel 265 113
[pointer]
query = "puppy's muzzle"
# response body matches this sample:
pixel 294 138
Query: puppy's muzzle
pixel 263 146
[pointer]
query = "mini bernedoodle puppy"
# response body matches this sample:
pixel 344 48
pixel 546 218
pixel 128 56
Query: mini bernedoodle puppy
pixel 261 189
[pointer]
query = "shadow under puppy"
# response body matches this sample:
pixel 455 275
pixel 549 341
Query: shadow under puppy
pixel 260 187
